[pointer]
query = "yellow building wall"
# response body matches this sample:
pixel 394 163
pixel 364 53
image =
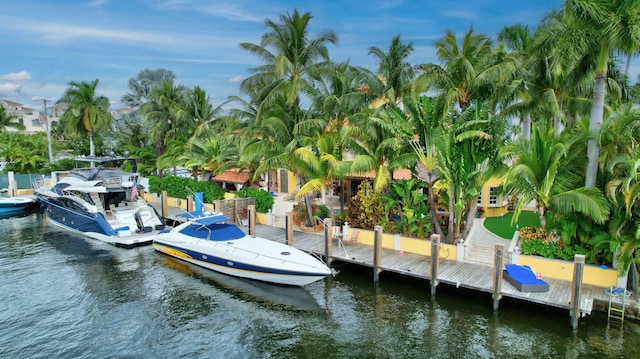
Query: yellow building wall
pixel 492 211
pixel 407 244
pixel 563 270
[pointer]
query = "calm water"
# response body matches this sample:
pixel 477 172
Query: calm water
pixel 64 296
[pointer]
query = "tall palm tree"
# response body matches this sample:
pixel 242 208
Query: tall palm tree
pixel 605 26
pixel 547 171
pixel 195 115
pixel 469 71
pixel 287 53
pixel 160 113
pixel 140 86
pixel 87 112
pixel 395 73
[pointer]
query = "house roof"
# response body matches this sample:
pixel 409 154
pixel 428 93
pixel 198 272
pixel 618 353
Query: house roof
pixel 233 176
pixel 398 174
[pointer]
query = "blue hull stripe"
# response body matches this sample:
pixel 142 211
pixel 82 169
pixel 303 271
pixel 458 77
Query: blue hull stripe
pixel 235 265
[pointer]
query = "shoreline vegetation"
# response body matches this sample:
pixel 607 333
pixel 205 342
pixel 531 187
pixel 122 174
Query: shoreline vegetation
pixel 552 118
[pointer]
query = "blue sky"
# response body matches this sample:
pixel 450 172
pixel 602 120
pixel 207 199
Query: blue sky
pixel 47 44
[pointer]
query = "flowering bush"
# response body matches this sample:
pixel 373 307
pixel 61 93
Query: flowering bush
pixel 537 241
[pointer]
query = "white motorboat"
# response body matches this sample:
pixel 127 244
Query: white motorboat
pixel 16 204
pixel 102 203
pixel 208 241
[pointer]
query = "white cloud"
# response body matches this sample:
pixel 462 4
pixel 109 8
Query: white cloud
pixel 10 89
pixel 236 79
pixel 463 14
pixel 227 9
pixel 21 76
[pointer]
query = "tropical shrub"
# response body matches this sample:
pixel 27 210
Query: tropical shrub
pixel 539 242
pixel 365 208
pixel 264 199
pixel 406 203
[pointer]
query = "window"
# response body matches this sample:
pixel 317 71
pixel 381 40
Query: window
pixel 493 198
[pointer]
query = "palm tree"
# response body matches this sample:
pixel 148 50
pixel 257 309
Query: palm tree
pixel 605 26
pixel 395 74
pixel 417 126
pixel 288 54
pixel 140 87
pixel 467 72
pixel 195 115
pixel 547 171
pixel 212 154
pixel 6 120
pixel 87 112
pixel 159 113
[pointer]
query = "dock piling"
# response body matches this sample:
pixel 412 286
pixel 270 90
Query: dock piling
pixel 328 236
pixel 288 228
pixel 435 261
pixel 497 275
pixel 576 289
pixel 251 211
pixel 165 205
pixel 377 252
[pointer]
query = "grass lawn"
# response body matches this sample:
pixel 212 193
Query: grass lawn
pixel 501 226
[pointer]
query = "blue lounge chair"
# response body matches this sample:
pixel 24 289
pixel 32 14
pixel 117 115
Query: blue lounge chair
pixel 523 278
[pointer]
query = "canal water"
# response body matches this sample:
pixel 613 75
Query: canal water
pixel 64 296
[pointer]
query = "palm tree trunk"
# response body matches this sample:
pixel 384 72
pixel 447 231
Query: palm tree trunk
pixel 471 215
pixel 597 113
pixel 526 126
pixel 543 219
pixel 435 224
pixel 595 123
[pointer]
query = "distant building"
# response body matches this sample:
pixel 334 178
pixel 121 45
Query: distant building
pixel 25 116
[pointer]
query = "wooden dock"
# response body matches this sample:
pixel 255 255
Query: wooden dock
pixel 472 276
pixel 477 277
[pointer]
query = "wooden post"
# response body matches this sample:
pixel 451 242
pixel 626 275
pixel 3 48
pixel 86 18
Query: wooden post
pixel 498 262
pixel 377 252
pixel 435 261
pixel 288 227
pixel 576 298
pixel 217 205
pixel 251 212
pixel 328 243
pixel 13 186
pixel 165 206
pixel 190 204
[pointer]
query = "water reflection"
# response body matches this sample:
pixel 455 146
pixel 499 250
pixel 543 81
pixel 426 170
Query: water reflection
pixel 64 295
pixel 295 298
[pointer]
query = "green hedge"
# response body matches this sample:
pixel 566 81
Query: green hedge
pixel 264 199
pixel 177 187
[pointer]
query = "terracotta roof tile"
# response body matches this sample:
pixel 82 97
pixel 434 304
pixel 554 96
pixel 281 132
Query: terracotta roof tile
pixel 398 174
pixel 233 176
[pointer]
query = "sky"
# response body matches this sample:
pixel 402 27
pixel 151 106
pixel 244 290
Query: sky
pixel 47 44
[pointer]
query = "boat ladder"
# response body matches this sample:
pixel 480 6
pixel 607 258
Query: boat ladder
pixel 618 298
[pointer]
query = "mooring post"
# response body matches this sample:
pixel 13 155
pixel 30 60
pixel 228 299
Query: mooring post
pixel 578 268
pixel 251 211
pixel 435 261
pixel 377 252
pixel 13 185
pixel 498 262
pixel 288 227
pixel 190 206
pixel 165 205
pixel 328 243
